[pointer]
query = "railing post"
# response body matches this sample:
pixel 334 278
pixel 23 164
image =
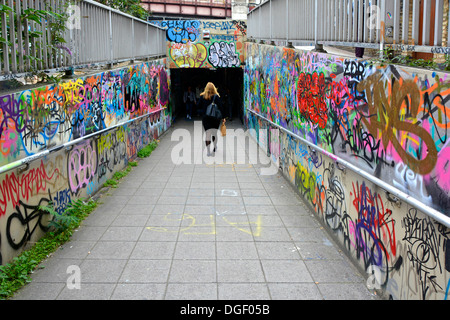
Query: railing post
pixel 133 42
pixel 5 68
pixel 288 43
pixel 259 24
pixel 415 22
pixel 438 25
pixel 316 21
pixel 382 26
pixel 19 37
pixel 111 57
pixel 317 47
pixel 448 28
pixel 426 22
pixel 158 41
pixel 405 20
pixel 12 38
pixel 270 15
pixel 147 40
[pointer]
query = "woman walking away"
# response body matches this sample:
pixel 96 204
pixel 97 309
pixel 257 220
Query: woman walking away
pixel 210 124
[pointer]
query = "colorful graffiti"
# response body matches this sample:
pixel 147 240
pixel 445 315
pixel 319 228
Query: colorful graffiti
pixel 311 98
pixel 223 55
pixel 36 119
pixel 374 117
pixel 189 47
pixel 189 55
pixel 181 31
pixel 391 123
pixel 39 119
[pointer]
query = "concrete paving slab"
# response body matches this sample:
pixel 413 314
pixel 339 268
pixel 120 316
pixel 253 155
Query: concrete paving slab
pixel 243 291
pixel 199 231
pixel 193 271
pixel 239 271
pixel 139 291
pixel 191 291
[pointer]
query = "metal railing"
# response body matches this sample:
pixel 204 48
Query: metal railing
pixel 95 34
pixel 209 3
pixel 25 162
pixel 410 25
pixel 392 192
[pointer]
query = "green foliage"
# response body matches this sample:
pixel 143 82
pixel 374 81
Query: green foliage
pixel 15 274
pixel 131 7
pixel 72 216
pixel 133 163
pixel 117 176
pixel 447 62
pixel 4 39
pixel 387 56
pixel 147 150
pixel 111 183
pixel 114 181
pixel 420 63
pixel 55 25
pixel 59 222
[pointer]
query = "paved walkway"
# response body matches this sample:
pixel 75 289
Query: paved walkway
pixel 199 231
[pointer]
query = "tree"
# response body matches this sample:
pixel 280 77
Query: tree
pixel 132 7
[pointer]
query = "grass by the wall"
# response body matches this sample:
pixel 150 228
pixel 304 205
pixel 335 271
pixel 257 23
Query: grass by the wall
pixel 16 274
pixel 114 181
pixel 147 150
pixel 143 153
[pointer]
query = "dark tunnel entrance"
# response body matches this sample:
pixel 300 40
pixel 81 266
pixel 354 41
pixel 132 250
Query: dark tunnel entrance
pixel 197 78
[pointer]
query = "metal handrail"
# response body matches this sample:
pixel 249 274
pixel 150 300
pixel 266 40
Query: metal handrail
pixel 437 215
pixel 101 36
pixel 26 161
pixel 404 25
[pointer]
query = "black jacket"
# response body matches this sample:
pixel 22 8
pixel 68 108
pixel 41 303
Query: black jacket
pixel 209 122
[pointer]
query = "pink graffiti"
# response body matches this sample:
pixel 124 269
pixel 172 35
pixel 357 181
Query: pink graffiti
pixel 9 144
pixel 15 188
pixel 82 166
pixel 442 169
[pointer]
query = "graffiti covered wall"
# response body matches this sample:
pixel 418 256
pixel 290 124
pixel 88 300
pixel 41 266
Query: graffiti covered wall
pixel 391 122
pixel 43 118
pixel 204 43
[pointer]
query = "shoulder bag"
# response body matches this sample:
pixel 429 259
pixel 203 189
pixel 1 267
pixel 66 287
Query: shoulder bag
pixel 213 110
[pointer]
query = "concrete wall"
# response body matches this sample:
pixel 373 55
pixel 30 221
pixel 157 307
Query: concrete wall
pixel 205 43
pixel 390 121
pixel 38 119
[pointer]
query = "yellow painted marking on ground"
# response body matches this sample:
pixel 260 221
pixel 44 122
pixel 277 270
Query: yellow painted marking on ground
pixel 211 223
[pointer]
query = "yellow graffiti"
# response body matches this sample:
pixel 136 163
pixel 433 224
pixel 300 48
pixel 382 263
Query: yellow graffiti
pixel 238 225
pixel 107 141
pixel 193 223
pixel 71 92
pixel 188 55
pixel 212 224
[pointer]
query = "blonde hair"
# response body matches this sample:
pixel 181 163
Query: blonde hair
pixel 210 91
